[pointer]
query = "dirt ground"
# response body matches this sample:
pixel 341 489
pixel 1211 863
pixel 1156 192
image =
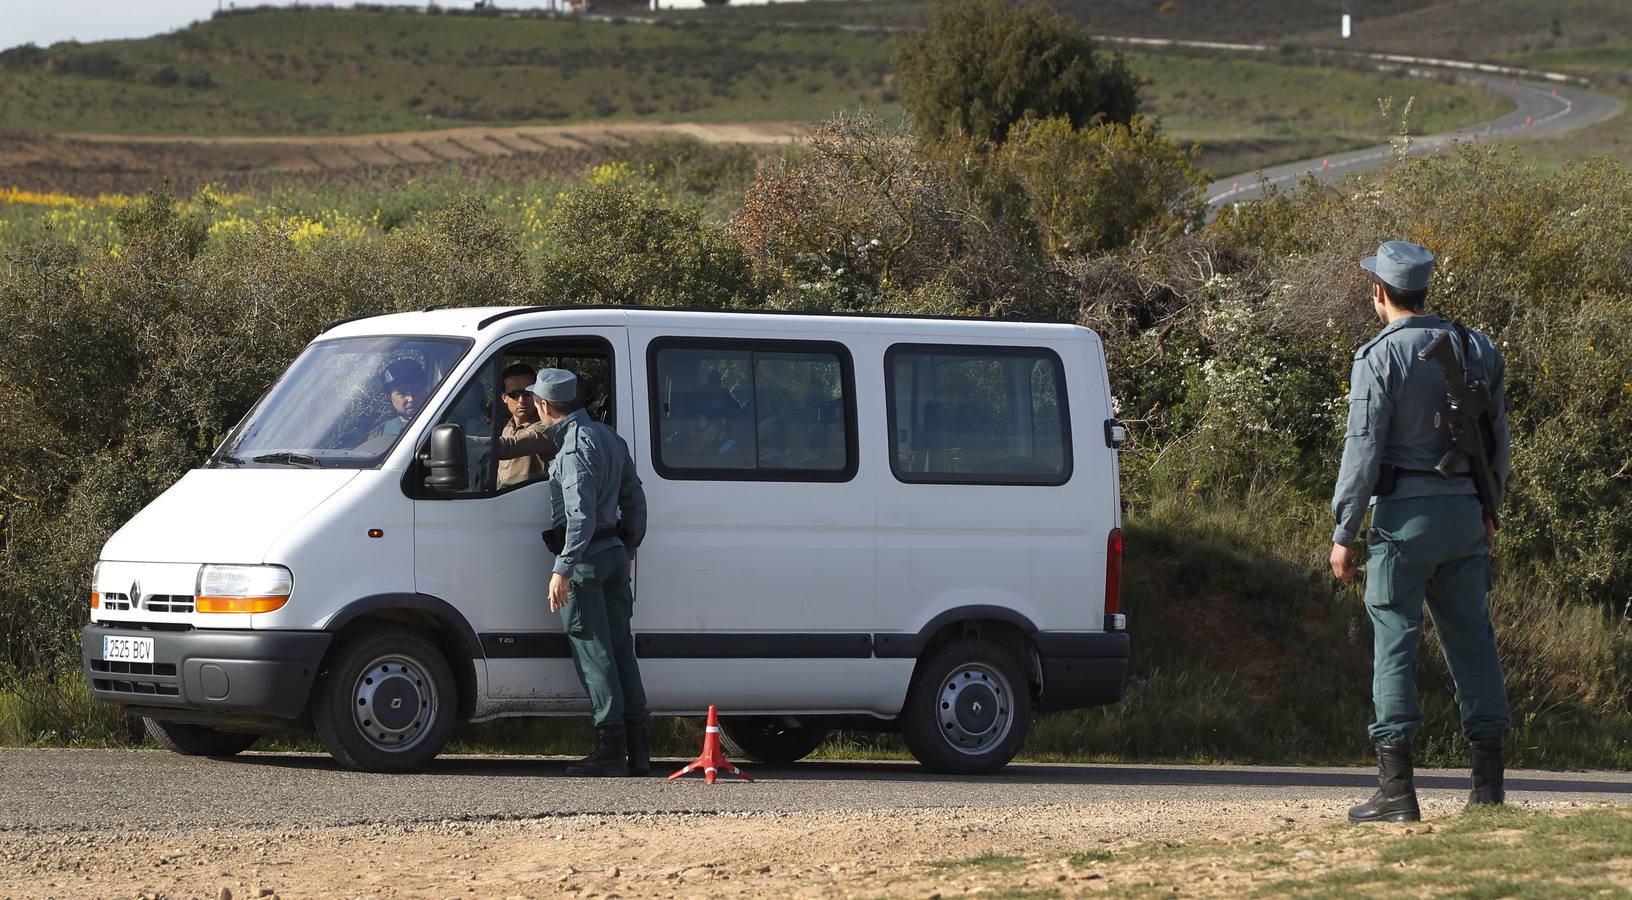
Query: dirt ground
pixel 1169 849
pixel 87 164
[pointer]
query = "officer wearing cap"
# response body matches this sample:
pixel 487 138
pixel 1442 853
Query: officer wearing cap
pixel 592 482
pixel 1429 539
pixel 404 384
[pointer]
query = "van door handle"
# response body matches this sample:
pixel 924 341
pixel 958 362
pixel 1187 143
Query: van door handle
pixel 1116 434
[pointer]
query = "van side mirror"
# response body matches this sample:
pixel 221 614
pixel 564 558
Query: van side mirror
pixel 445 457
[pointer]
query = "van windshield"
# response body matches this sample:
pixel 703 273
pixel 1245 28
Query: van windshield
pixel 342 404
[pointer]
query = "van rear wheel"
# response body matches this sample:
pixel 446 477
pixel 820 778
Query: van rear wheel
pixel 197 740
pixel 768 739
pixel 385 702
pixel 968 708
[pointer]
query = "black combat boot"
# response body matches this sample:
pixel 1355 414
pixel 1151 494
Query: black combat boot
pixel 1396 797
pixel 608 759
pixel 640 749
pixel 1487 775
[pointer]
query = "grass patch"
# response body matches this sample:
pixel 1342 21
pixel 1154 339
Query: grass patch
pixel 1504 852
pixel 988 861
pixel 1089 858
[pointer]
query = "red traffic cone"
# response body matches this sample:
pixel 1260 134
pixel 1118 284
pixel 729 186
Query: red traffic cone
pixel 1325 164
pixel 712 760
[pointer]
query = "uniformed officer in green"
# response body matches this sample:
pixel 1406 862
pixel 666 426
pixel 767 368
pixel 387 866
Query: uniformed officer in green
pixel 592 482
pixel 1430 537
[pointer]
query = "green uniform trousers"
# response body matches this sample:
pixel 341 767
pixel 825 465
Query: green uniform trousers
pixel 1432 547
pixel 599 606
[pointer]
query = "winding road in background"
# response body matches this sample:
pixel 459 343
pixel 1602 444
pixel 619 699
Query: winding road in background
pixel 1543 110
pixel 1546 104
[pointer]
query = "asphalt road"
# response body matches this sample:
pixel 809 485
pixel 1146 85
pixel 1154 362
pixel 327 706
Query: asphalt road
pixel 66 791
pixel 1543 109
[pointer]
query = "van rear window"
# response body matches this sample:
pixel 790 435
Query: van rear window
pixel 752 410
pixel 968 415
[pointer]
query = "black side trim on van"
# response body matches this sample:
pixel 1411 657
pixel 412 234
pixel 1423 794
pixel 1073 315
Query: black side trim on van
pixel 526 645
pixel 441 609
pixel 779 645
pixel 903 645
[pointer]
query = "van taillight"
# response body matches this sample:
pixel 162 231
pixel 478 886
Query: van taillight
pixel 1113 573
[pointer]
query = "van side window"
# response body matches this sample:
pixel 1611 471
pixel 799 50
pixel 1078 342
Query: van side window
pixel 752 410
pixel 485 414
pixel 977 415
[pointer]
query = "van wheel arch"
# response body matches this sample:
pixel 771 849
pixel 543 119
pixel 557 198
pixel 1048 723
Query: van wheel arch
pixel 1005 628
pixel 444 625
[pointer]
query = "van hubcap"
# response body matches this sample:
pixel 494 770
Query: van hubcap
pixel 393 702
pixel 975 712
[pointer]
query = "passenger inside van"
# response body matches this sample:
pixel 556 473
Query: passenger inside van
pixel 705 438
pixel 524 450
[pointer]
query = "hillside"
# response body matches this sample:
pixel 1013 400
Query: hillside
pixel 321 73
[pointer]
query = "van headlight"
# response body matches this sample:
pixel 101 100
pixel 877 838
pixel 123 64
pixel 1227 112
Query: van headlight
pixel 243 589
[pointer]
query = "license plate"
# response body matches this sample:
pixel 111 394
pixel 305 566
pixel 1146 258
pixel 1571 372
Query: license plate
pixel 127 649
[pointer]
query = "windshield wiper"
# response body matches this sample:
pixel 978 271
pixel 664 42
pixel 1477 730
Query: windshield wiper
pixel 284 457
pixel 225 459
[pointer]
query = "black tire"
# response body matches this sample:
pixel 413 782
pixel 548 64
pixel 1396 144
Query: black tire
pixel 197 740
pixel 385 702
pixel 768 739
pixel 968 708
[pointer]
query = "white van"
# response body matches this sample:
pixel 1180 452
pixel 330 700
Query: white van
pixel 916 528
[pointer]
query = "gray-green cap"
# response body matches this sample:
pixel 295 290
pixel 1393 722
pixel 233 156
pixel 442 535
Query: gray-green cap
pixel 556 386
pixel 1401 264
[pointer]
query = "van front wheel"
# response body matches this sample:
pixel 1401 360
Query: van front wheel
pixel 197 740
pixel 768 739
pixel 385 702
pixel 968 708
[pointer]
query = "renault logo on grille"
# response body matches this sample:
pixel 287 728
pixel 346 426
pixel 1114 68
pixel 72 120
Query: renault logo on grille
pixel 135 595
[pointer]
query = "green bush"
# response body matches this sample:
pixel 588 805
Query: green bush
pixel 984 66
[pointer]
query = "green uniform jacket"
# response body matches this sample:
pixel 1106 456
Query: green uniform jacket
pixel 1396 405
pixel 592 480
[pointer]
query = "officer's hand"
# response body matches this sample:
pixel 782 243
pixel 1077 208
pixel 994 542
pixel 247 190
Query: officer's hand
pixel 558 591
pixel 1343 562
pixel 1490 534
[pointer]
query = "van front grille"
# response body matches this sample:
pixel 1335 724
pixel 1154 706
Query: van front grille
pixel 170 603
pixel 164 603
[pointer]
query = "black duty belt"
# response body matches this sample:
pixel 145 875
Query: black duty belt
pixel 556 538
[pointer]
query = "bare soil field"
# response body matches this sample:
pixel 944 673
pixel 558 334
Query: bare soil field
pixel 88 164
pixel 1168 849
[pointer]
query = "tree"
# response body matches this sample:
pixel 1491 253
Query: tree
pixel 984 66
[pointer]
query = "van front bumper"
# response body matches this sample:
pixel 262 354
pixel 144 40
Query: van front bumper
pixel 1082 669
pixel 210 671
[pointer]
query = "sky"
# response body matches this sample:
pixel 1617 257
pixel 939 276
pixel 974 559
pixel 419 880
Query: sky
pixel 45 22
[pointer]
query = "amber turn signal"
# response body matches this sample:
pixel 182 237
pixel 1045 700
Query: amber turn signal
pixel 240 604
pixel 96 600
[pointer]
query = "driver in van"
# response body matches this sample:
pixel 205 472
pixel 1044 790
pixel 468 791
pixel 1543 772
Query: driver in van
pixel 404 384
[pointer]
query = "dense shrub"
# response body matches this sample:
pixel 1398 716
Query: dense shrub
pixel 1228 344
pixel 984 65
pixel 621 243
pixel 1102 186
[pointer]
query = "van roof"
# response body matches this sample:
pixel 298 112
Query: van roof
pixel 503 320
